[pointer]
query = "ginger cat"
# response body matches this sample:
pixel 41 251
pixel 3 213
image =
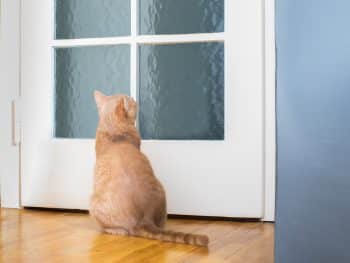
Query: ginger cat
pixel 128 199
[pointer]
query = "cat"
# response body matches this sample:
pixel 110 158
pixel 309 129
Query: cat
pixel 127 198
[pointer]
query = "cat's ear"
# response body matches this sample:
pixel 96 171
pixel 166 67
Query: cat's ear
pixel 130 107
pixel 126 104
pixel 100 98
pixel 121 109
pixel 126 109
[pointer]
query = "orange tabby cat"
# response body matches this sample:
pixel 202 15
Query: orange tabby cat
pixel 128 199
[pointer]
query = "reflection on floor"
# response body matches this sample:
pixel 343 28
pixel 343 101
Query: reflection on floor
pixel 51 236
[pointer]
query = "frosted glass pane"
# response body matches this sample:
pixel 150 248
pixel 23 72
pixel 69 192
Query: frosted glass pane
pixel 181 91
pixel 181 16
pixel 92 18
pixel 78 72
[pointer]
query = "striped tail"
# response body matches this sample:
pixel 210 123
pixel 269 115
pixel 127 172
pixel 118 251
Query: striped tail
pixel 152 232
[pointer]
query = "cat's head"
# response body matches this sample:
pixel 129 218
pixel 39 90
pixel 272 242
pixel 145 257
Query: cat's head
pixel 115 110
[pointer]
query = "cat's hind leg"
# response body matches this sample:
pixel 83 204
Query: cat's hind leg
pixel 117 231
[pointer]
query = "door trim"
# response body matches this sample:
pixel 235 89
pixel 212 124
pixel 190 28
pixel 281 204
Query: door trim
pixel 13 197
pixel 9 93
pixel 269 111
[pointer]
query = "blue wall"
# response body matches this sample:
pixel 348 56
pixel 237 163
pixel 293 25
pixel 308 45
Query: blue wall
pixel 313 121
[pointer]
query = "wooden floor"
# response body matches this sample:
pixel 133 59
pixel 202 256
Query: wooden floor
pixel 47 236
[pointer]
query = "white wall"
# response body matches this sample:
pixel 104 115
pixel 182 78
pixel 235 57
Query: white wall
pixel 9 90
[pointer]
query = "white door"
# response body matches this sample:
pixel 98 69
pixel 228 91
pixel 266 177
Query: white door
pixel 194 67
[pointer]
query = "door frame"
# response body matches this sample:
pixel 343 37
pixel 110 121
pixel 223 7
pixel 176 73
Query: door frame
pixel 12 47
pixel 269 111
pixel 9 93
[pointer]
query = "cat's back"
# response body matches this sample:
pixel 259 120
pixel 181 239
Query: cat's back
pixel 125 159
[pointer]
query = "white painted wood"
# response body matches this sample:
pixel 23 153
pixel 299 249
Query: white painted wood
pixel 9 91
pixel 213 178
pixel 91 41
pixel 142 39
pixel 186 38
pixel 37 170
pixel 133 49
pixel 270 118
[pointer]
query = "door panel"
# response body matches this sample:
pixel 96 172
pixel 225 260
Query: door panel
pixel 78 71
pixel 200 98
pixel 181 91
pixel 203 16
pixel 91 18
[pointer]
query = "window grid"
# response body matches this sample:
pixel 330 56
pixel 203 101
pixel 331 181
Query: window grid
pixel 135 40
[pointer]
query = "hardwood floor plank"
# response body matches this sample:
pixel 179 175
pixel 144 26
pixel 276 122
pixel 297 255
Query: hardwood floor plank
pixel 51 236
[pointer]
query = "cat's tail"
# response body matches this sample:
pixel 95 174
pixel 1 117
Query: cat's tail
pixel 153 232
